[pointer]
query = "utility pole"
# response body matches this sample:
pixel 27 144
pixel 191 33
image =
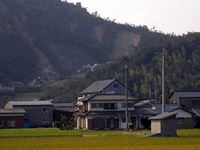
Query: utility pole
pixel 149 84
pixel 155 88
pixel 163 81
pixel 126 95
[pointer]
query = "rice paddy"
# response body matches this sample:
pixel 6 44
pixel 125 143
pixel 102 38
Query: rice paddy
pixel 55 139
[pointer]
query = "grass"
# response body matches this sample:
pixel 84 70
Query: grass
pixel 97 140
pixel 37 132
pixel 45 132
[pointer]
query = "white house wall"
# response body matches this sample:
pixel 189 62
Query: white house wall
pixel 156 126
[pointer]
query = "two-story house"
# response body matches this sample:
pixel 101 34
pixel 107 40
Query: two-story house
pixel 186 99
pixel 189 100
pixel 102 106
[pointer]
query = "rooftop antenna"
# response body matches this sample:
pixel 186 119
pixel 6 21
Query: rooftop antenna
pixel 126 99
pixel 163 81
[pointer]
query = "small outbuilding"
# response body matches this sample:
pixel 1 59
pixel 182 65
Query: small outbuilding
pixel 12 118
pixel 164 125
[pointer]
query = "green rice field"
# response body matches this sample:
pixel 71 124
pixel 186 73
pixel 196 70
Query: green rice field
pixel 55 139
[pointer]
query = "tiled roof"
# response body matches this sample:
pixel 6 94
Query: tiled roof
pixel 111 97
pixel 63 104
pixel 12 112
pixel 66 107
pixel 187 93
pixel 196 111
pixel 143 103
pixel 99 97
pixel 29 103
pixel 163 116
pixel 144 111
pixel 97 86
pixel 168 107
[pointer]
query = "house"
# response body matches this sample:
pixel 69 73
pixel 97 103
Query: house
pixel 164 125
pixel 184 118
pixel 112 86
pixel 38 113
pixel 143 111
pixel 104 111
pixel 13 118
pixel 190 101
pixel 187 99
pixel 102 106
pixel 147 109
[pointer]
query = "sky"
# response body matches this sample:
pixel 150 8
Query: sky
pixel 168 16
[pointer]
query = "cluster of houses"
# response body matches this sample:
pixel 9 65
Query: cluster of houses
pixel 29 114
pixel 102 106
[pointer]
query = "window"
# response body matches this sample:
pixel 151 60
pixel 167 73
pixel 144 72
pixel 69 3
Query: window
pixel 11 123
pixel 1 123
pixel 96 105
pixel 110 106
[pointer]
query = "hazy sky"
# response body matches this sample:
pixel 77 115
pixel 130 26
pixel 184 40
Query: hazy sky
pixel 178 16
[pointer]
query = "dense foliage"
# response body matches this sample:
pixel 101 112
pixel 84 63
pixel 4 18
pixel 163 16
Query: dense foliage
pixel 53 39
pixel 182 66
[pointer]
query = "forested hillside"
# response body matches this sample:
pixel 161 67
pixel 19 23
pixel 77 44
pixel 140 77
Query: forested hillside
pixel 54 39
pixel 182 67
pixel 50 38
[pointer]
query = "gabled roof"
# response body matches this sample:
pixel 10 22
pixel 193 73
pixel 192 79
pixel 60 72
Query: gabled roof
pixel 196 111
pixel 144 103
pixel 163 116
pixel 97 86
pixel 182 93
pixel 143 111
pixel 168 107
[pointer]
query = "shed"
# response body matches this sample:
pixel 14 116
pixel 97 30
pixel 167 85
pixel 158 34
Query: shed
pixel 12 118
pixel 164 124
